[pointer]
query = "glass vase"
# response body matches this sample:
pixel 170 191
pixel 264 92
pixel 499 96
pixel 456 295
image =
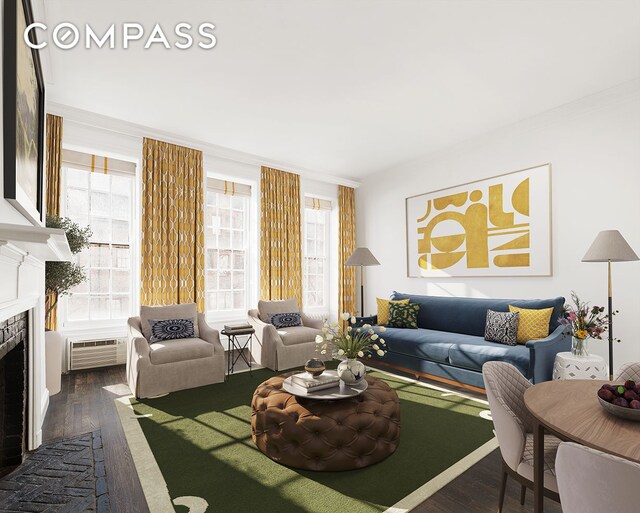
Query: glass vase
pixel 579 347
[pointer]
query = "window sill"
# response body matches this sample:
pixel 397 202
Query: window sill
pixel 113 331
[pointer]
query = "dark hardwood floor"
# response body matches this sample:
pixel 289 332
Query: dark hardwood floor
pixel 86 403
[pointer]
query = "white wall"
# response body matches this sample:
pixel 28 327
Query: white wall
pixel 594 147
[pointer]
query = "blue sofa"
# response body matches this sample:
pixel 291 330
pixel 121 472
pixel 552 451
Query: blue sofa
pixel 449 343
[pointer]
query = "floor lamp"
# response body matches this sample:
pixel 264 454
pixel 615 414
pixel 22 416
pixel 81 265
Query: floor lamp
pixel 363 258
pixel 610 246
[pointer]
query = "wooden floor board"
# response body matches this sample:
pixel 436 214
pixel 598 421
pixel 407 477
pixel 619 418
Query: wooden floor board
pixel 86 403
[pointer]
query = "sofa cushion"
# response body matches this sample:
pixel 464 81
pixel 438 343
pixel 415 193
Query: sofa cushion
pixel 171 351
pixel 403 315
pixel 472 352
pixel 419 343
pixel 183 311
pixel 266 308
pixel 298 335
pixel 285 320
pixel 171 329
pixel 502 327
pixel 383 309
pixel 468 315
pixel 533 324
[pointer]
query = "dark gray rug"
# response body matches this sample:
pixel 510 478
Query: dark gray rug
pixel 63 476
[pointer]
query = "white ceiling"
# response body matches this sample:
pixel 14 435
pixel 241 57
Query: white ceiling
pixel 346 87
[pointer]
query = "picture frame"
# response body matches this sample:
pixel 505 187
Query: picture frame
pixel 23 114
pixel 498 226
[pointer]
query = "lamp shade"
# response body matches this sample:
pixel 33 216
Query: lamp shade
pixel 610 245
pixel 362 256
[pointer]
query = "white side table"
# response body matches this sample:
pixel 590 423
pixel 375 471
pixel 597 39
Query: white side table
pixel 568 366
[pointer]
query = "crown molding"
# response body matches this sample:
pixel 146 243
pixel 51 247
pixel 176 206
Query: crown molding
pixel 119 126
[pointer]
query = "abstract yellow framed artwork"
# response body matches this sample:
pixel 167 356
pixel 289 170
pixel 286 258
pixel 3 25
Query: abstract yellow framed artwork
pixel 499 226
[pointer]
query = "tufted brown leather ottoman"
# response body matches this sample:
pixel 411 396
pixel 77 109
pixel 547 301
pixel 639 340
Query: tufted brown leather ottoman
pixel 325 435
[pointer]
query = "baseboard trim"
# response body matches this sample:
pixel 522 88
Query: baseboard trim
pixel 419 374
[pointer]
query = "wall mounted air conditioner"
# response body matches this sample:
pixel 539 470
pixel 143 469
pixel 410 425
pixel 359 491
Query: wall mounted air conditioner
pixel 89 354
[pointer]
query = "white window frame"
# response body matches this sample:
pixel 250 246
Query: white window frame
pixel 112 325
pixel 325 307
pixel 215 316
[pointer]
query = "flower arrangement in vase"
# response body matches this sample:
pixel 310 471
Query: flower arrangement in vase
pixel 583 322
pixel 348 343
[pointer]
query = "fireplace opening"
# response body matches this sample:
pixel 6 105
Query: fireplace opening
pixel 14 342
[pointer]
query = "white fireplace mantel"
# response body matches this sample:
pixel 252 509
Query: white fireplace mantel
pixel 23 253
pixel 41 243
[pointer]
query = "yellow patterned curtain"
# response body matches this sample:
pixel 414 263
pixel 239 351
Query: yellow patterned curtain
pixel 346 246
pixel 172 225
pixel 280 236
pixel 54 172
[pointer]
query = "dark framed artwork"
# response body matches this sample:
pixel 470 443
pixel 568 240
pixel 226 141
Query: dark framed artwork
pixel 24 114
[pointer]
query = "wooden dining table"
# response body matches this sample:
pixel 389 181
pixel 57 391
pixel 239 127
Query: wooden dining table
pixel 570 410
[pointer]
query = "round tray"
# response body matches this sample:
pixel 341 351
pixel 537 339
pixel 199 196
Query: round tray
pixel 620 411
pixel 341 391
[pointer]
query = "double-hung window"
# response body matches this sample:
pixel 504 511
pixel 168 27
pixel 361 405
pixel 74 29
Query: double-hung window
pixel 315 268
pixel 99 192
pixel 227 249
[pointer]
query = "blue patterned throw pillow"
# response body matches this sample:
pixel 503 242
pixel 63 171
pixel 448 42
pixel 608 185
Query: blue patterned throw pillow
pixel 171 329
pixel 285 320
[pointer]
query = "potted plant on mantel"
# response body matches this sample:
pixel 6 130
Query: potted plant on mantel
pixel 60 278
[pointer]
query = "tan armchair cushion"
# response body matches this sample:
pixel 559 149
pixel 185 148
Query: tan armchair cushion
pixel 171 351
pixel 265 308
pixel 298 335
pixel 184 311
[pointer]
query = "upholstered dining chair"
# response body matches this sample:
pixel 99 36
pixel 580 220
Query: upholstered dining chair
pixel 505 386
pixel 629 371
pixel 591 481
pixel 159 367
pixel 283 348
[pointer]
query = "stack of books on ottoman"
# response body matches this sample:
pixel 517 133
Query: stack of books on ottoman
pixel 312 384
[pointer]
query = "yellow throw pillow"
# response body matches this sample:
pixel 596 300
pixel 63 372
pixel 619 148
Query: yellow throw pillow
pixel 532 324
pixel 383 309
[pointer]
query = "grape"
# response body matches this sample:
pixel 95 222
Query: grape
pixel 630 395
pixel 620 401
pixel 606 394
pixel 635 404
pixel 629 384
pixel 637 388
pixel 620 390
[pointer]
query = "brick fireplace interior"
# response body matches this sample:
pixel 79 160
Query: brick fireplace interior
pixel 14 342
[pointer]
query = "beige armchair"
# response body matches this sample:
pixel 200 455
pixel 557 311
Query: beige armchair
pixel 284 348
pixel 158 368
pixel 629 371
pixel 505 386
pixel 591 481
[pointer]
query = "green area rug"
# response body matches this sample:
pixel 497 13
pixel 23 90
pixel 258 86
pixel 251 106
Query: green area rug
pixel 201 441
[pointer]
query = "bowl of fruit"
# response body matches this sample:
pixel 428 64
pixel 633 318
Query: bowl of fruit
pixel 621 400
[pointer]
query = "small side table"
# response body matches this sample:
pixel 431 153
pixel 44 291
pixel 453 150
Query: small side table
pixel 568 366
pixel 238 347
